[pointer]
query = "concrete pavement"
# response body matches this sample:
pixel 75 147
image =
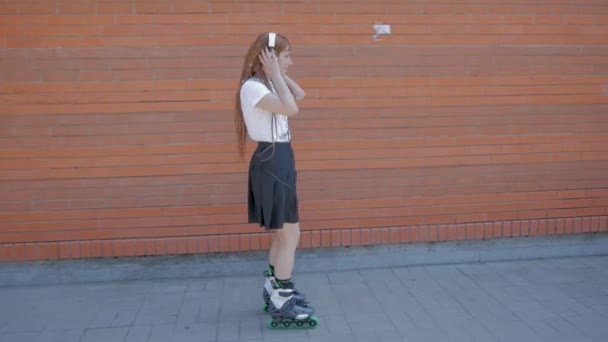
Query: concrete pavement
pixel 557 300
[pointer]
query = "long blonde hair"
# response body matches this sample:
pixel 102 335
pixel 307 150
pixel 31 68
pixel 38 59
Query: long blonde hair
pixel 252 67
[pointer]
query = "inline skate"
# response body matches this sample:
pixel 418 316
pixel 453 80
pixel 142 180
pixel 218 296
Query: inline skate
pixel 285 310
pixel 268 287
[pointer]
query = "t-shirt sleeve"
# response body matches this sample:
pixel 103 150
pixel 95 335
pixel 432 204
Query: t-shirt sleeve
pixel 252 92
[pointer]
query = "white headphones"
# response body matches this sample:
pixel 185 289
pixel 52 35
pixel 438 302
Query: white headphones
pixel 272 37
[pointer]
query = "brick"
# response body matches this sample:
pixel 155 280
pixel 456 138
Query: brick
pixel 233 243
pixel 202 244
pixel 497 230
pixel 162 247
pixel 118 248
pixel 113 8
pixel 34 251
pixel 150 247
pixel 106 105
pixel 551 227
pixel 145 7
pixel 421 233
pixel 375 236
pixel 560 226
pixel 126 248
pixel 470 231
pixel 586 224
pixel 316 239
pixel 213 243
pixel 479 231
pixel 525 227
pixel 265 240
pixel 488 230
pixel 5 252
pixel 336 238
pixel 542 227
pixel 64 250
pixel 107 248
pixel 569 226
pixel 345 237
pixel 534 227
pixel 76 7
pixel 402 235
pixel 459 232
pixel 356 237
pixel 52 251
pixel 140 247
pixel 385 236
pixel 577 225
pixel 181 245
pixel 507 229
pixel 516 228
pixel 75 250
pixel 224 243
pixel 192 245
pixel 604 223
pixel 35 8
pixel 365 237
pixel 326 238
pixel 432 233
pixel 242 242
pixel 450 232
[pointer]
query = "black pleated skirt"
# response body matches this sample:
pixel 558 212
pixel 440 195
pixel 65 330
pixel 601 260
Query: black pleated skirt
pixel 273 199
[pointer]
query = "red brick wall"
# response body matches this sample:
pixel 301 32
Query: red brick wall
pixel 472 120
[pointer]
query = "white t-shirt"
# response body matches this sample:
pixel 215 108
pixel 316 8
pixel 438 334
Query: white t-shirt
pixel 260 122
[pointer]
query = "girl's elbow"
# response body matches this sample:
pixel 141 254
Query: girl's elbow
pixel 292 110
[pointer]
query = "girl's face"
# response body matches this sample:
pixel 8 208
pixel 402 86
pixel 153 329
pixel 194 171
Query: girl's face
pixel 284 60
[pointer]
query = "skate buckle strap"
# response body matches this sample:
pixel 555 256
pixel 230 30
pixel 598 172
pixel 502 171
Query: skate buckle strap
pixel 286 293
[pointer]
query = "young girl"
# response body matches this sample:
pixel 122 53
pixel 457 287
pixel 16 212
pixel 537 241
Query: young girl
pixel 264 102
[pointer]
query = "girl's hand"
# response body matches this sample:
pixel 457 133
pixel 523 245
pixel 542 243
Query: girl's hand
pixel 270 63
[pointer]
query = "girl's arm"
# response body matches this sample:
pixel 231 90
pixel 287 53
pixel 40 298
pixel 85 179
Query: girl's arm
pixel 285 102
pixel 297 91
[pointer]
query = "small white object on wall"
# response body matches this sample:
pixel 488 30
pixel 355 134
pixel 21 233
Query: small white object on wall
pixel 381 29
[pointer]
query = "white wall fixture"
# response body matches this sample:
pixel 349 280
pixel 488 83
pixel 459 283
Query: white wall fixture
pixel 381 29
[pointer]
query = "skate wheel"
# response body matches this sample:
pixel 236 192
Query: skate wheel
pixel 266 308
pixel 279 323
pixel 313 322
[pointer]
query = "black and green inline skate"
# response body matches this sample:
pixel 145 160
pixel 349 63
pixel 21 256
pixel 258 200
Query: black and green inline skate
pixel 268 287
pixel 285 310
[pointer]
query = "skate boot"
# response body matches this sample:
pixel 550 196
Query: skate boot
pixel 268 287
pixel 285 310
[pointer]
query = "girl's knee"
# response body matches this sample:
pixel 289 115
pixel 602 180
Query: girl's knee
pixel 291 232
